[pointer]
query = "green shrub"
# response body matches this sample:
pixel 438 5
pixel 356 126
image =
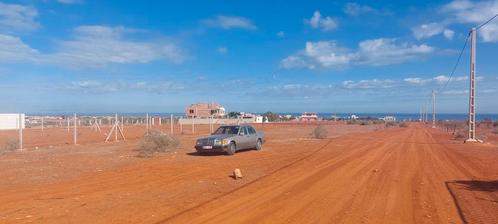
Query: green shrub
pixel 156 141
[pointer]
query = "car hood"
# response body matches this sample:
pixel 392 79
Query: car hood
pixel 220 136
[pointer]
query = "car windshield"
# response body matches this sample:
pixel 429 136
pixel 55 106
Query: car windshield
pixel 230 130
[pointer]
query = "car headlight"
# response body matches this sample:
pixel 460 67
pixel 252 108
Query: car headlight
pixel 217 142
pixel 224 142
pixel 198 142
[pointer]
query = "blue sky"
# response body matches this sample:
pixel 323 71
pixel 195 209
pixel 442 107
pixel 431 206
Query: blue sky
pixel 283 56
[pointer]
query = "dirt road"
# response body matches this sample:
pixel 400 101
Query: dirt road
pixel 399 175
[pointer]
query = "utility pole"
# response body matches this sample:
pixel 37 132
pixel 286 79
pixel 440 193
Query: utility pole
pixel 433 109
pixel 472 89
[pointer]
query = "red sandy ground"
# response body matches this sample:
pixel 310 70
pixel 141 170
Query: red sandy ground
pixel 361 174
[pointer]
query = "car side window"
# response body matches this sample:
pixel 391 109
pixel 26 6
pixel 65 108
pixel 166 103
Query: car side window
pixel 251 130
pixel 242 131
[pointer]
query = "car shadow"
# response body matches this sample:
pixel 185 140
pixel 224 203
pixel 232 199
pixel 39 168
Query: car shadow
pixel 216 153
pixel 461 190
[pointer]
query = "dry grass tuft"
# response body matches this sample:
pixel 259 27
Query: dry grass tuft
pixel 156 141
pixel 319 132
pixel 403 125
pixel 9 145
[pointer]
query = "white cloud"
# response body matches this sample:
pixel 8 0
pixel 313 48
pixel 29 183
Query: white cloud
pixel 355 9
pixel 230 22
pixel 386 51
pixel 448 34
pixel 222 50
pixel 369 84
pixel 444 79
pixel 456 92
pixel 319 54
pixel 440 79
pixel 428 30
pixel 417 81
pixel 295 62
pixel 326 54
pixel 475 13
pixel 324 23
pixel 94 86
pixel 463 12
pixel 14 50
pixel 14 17
pixel 94 46
pixel 281 34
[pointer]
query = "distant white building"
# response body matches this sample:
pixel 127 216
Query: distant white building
pixel 260 119
pixel 308 116
pixel 11 121
pixel 389 119
pixel 354 117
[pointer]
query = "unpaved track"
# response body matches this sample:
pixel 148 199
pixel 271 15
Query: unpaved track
pixel 396 176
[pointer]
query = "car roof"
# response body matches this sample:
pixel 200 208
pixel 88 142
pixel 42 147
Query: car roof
pixel 233 125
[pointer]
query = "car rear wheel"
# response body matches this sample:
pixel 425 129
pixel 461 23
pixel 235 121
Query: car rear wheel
pixel 259 145
pixel 231 148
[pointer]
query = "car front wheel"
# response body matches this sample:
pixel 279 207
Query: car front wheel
pixel 231 148
pixel 259 145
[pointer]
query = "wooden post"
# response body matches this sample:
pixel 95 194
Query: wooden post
pixel 42 124
pixel 122 123
pixel 67 118
pixel 20 132
pixel 75 134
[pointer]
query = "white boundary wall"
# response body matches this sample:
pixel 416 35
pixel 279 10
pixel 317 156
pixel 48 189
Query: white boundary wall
pixel 11 121
pixel 187 121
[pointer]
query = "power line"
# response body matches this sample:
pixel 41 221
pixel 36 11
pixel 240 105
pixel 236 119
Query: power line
pixel 489 20
pixel 456 64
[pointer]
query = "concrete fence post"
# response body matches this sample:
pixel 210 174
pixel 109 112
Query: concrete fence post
pixel 171 121
pixel 75 133
pixel 20 132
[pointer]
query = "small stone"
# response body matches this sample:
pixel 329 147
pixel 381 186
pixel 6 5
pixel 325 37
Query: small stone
pixel 237 174
pixel 376 170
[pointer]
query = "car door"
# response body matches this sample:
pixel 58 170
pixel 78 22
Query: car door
pixel 244 138
pixel 253 137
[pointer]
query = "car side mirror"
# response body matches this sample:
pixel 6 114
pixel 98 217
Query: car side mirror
pixel 241 134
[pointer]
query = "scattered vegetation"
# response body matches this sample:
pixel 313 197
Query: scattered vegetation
pixel 271 117
pixel 390 124
pixel 495 131
pixel 403 125
pixel 459 134
pixel 156 141
pixel 319 132
pixel 234 114
pixel 9 145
